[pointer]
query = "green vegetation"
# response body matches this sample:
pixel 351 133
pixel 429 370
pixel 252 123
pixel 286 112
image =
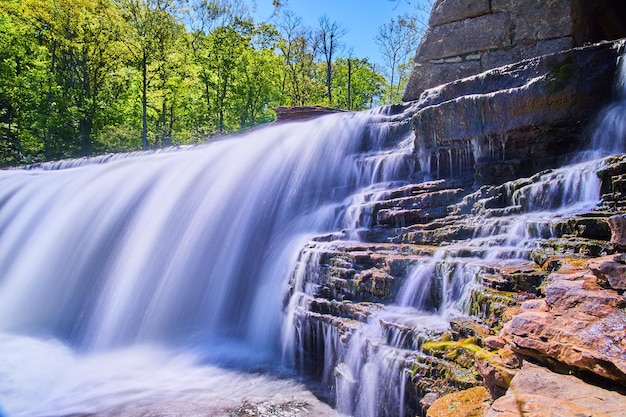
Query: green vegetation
pixel 81 77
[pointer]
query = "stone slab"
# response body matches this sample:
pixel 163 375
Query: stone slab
pixel 617 224
pixel 427 75
pixel 498 58
pixel 538 19
pixel 466 36
pixel 447 11
pixel 536 107
pixel 610 270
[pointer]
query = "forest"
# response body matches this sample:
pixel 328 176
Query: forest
pixel 84 77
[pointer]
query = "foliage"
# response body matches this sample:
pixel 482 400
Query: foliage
pixel 397 40
pixel 80 77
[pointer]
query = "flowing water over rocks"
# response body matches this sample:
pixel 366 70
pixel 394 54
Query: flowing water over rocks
pixel 195 282
pixel 415 310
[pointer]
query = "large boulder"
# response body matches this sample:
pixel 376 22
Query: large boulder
pixel 473 402
pixel 610 270
pixel 617 223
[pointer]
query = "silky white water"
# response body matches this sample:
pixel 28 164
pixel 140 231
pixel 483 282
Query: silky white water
pixel 129 279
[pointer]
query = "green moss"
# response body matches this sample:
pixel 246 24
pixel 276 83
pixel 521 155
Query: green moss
pixel 560 76
pixel 492 306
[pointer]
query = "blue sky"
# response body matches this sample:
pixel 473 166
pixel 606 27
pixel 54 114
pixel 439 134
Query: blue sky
pixel 361 18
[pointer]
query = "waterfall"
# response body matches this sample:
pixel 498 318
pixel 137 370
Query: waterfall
pixel 140 250
pixel 439 288
pixel 609 130
pixel 130 282
pixel 370 380
pixel 115 267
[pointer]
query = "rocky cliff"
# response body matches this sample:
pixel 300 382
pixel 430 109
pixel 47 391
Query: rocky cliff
pixel 466 37
pixel 493 282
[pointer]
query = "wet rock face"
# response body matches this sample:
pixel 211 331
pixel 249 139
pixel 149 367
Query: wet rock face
pixel 466 37
pixel 578 326
pixel 514 120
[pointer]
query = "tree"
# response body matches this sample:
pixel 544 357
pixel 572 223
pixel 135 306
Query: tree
pixel 356 83
pixel 260 86
pixel 152 27
pixel 81 52
pixel 221 37
pixel 397 40
pixel 22 72
pixel 227 48
pixel 171 72
pixel 329 36
pixel 299 49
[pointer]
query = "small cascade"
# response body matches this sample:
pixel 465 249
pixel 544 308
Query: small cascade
pixel 609 132
pixel 375 357
pixel 447 162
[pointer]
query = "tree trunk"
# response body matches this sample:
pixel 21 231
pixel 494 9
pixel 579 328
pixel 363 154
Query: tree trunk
pixel 144 103
pixel 328 81
pixel 88 112
pixel 47 135
pixel 349 84
pixel 86 127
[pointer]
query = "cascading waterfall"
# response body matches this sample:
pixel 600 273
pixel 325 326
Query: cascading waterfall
pixel 139 279
pixel 371 372
pixel 115 268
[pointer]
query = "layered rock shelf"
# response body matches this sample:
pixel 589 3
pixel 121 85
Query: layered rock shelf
pixel 479 287
pixel 284 114
pixel 560 303
pixel 515 120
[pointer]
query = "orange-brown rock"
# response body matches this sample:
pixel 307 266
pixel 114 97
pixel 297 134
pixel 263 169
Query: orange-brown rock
pixel 538 392
pixel 473 402
pixel 285 114
pixel 498 369
pixel 579 326
pixel 617 224
pixel 610 270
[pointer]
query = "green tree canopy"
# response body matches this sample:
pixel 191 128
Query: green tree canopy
pixel 79 77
